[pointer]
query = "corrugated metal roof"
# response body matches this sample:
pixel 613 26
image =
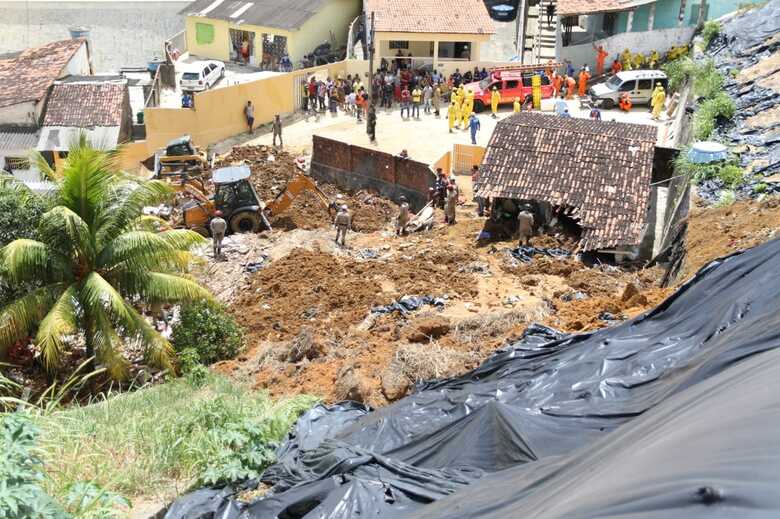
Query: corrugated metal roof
pixel 288 15
pixel 602 169
pixel 18 139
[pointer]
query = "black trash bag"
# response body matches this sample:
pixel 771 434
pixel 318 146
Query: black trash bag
pixel 409 304
pixel 643 418
pixel 525 253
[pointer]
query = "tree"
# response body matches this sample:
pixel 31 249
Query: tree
pixel 96 257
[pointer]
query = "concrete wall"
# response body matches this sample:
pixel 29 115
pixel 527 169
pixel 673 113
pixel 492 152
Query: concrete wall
pixel 79 64
pixel 123 33
pixel 352 168
pixel 22 113
pixel 645 42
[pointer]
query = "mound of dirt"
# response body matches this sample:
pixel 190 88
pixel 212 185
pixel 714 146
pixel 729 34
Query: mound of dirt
pixel 273 169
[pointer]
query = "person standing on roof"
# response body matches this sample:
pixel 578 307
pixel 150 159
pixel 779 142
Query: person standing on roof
pixel 601 55
pixel 249 113
pixel 277 128
pixel 474 126
pixel 525 226
pixel 403 217
pixel 217 226
pixel 495 98
pixel 342 222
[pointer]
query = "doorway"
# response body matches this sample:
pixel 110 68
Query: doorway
pixel 242 47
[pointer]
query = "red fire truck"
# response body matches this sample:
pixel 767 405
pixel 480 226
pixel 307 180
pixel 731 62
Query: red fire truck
pixel 511 82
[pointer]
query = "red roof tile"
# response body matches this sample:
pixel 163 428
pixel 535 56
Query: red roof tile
pixel 602 169
pixel 85 105
pixel 463 17
pixel 27 76
pixel 571 7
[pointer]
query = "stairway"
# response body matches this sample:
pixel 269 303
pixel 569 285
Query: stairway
pixel 539 38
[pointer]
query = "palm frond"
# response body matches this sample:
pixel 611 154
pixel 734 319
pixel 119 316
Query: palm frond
pixel 157 350
pixel 24 260
pixel 11 183
pixel 66 232
pixel 62 320
pixel 149 223
pixel 156 287
pixel 98 295
pixel 87 176
pixel 124 206
pixel 141 248
pixel 17 319
pixel 40 162
pixel 107 347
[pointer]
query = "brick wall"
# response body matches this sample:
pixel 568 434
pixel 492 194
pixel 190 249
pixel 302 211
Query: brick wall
pixel 353 167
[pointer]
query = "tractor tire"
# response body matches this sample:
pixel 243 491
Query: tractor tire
pixel 478 106
pixel 245 221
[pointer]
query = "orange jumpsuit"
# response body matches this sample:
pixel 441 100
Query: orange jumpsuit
pixel 601 55
pixel 548 70
pixel 570 86
pixel 584 77
pixel 616 67
pixel 625 102
pixel 557 83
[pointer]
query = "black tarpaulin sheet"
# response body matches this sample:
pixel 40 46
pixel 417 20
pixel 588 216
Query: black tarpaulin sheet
pixel 537 410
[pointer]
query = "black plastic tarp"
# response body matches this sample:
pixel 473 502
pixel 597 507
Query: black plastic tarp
pixel 558 426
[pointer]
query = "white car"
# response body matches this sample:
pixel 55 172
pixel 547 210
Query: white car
pixel 638 83
pixel 201 75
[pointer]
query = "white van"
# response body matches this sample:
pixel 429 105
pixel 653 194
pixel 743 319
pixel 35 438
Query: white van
pixel 201 75
pixel 638 83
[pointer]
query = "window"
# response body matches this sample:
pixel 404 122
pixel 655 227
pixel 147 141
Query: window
pixel 628 86
pixel 511 84
pixel 395 44
pixel 245 194
pixel 645 84
pixel 205 72
pixel 190 76
pixel 204 33
pixel 455 50
pixel 608 23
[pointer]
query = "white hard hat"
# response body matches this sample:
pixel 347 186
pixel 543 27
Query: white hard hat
pixel 344 207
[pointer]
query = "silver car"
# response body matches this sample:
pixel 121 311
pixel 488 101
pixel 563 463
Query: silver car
pixel 638 83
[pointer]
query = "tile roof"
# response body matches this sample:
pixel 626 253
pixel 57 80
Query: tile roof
pixel 571 7
pixel 15 138
pixel 26 76
pixel 463 17
pixel 85 105
pixel 288 15
pixel 601 169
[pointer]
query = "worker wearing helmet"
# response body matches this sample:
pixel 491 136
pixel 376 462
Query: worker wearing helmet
pixel 342 222
pixel 218 226
pixel 403 216
pixel 516 105
pixel 467 108
pixel 453 112
pixel 657 101
pixel 495 98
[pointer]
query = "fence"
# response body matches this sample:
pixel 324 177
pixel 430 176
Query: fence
pixel 352 168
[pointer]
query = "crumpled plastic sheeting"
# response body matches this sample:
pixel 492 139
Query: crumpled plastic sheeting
pixel 409 304
pixel 525 253
pixel 534 420
pixel 745 32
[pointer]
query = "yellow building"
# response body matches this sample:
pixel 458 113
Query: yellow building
pixel 432 33
pixel 262 31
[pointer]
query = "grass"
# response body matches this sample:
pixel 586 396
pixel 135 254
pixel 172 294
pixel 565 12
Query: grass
pixel 706 118
pixel 160 440
pixel 710 31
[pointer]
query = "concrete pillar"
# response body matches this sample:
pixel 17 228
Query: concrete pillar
pixel 435 55
pixel 630 22
pixel 651 17
pixel 681 16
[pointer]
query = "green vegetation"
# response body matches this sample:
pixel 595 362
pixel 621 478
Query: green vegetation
pixel 727 197
pixel 709 112
pixel 209 330
pixel 707 81
pixel 678 71
pixel 729 173
pixel 97 259
pixel 710 31
pixel 160 440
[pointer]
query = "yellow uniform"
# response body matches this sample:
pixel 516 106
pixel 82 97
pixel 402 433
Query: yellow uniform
pixel 457 102
pixel 452 113
pixel 639 60
pixel 625 58
pixel 516 105
pixel 657 101
pixel 654 59
pixel 467 108
pixel 495 98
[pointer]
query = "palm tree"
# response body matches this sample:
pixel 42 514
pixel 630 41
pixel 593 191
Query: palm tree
pixel 97 258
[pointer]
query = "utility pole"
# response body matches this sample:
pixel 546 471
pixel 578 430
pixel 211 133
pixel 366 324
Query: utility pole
pixel 370 47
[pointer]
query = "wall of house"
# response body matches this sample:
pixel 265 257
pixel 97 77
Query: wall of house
pixel 78 65
pixel 417 48
pixel 219 48
pixel 21 113
pixel 333 19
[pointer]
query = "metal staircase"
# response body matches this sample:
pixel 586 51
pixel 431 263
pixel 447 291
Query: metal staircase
pixel 539 38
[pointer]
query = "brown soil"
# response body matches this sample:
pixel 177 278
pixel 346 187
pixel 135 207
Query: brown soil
pixel 273 169
pixel 717 231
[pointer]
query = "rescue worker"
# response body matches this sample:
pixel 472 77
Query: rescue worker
pixel 457 100
pixel 639 60
pixel 495 98
pixel 416 100
pixel 657 101
pixel 452 113
pixel 342 222
pixel 218 226
pixel 525 226
pixel 449 205
pixel 571 85
pixel 371 123
pixel 277 129
pixel 550 68
pixel 467 108
pixel 583 83
pixel 436 100
pixel 616 66
pixel 654 59
pixel 403 217
pixel 625 102
pixel 557 83
pixel 516 105
pixel 625 58
pixel 601 55
pixel 474 127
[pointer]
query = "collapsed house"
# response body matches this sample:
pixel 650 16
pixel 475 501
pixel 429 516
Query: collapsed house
pixel 596 174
